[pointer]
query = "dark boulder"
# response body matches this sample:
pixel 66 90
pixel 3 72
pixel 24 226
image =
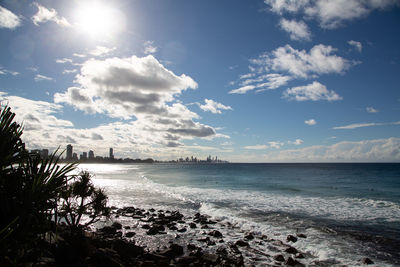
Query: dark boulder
pixel 367 261
pixel 215 233
pixel 291 250
pixel 173 251
pixel 279 257
pixel 291 238
pixel 242 243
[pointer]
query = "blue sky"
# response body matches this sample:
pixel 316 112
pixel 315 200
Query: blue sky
pixel 248 81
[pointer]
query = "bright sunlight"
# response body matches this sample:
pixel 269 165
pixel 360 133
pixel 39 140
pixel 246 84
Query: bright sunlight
pixel 98 20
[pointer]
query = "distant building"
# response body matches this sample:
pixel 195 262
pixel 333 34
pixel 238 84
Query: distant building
pixel 91 154
pixel 69 152
pixel 83 156
pixel 111 153
pixel 75 156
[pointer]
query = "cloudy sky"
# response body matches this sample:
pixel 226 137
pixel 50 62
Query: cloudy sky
pixel 244 80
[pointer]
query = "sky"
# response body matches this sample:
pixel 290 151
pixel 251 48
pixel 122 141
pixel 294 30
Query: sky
pixel 244 80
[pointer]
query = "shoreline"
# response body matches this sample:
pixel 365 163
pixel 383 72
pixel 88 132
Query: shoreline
pixel 139 237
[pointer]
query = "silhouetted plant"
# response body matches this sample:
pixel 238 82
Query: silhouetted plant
pixel 81 203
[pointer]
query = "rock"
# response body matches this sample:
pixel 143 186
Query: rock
pixel 186 260
pixel 204 239
pixel 210 258
pixel 301 235
pixel 300 256
pixel 152 210
pixel 279 257
pixel 291 262
pixel 242 243
pixel 215 233
pixel 182 230
pixel 108 230
pixel 291 238
pixel 146 226
pixel 367 261
pixel 173 251
pixel 249 236
pixel 126 249
pixel 173 228
pixel 127 227
pixel 210 242
pixel 103 258
pixel 205 226
pixel 192 225
pixel 117 225
pixel 152 231
pixel 130 234
pixel 191 247
pixel 291 250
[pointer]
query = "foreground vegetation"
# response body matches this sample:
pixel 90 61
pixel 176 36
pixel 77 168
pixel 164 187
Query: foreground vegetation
pixel 37 195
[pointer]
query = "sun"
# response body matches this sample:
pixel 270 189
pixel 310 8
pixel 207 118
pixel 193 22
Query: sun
pixel 98 20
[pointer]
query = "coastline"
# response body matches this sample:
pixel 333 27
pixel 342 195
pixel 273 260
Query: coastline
pixel 139 237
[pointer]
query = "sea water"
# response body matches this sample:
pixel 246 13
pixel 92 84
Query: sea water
pixel 348 211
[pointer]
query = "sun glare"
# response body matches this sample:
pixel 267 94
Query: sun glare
pixel 98 20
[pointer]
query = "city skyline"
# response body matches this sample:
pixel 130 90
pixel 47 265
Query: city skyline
pixel 251 81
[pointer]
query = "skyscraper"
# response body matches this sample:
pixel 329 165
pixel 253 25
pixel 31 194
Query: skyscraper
pixel 69 151
pixel 111 153
pixel 91 154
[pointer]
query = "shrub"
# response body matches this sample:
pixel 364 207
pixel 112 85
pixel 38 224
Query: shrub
pixel 81 203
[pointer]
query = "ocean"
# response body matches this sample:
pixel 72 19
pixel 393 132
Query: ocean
pixel 347 211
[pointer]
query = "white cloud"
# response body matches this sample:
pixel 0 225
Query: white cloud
pixel 357 125
pixel 372 110
pixel 275 144
pixel 44 15
pixel 261 83
pixel 34 114
pixel 256 147
pixel 40 77
pixel 64 60
pixel 69 71
pixel 8 19
pixel 330 14
pixel 378 150
pixel 356 45
pixel 150 48
pixel 6 72
pixel 214 107
pixel 299 63
pixel 310 122
pixel 79 55
pixel 140 88
pixel 314 91
pixel 297 142
pixel 243 89
pixel 101 51
pixel 297 30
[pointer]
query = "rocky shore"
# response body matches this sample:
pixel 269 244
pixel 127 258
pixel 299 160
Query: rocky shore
pixel 138 237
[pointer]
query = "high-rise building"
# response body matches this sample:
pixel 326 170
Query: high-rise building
pixel 75 156
pixel 111 153
pixel 91 154
pixel 44 153
pixel 69 151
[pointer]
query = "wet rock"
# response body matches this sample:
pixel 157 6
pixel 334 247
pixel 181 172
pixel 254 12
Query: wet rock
pixel 367 261
pixel 152 210
pixel 130 234
pixel 173 228
pixel 191 247
pixel 291 250
pixel 242 243
pixel 291 238
pixel 249 236
pixel 210 242
pixel 192 225
pixel 204 226
pixel 301 235
pixel 173 251
pixel 182 230
pixel 126 249
pixel 108 230
pixel 279 258
pixel 210 258
pixel 117 225
pixel 300 256
pixel 204 239
pixel 127 227
pixel 215 233
pixel 146 226
pixel 291 262
pixel 152 231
